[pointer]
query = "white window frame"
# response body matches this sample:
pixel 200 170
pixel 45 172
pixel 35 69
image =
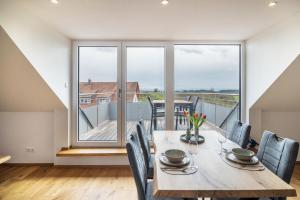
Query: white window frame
pixel 167 68
pixel 122 70
pixel 75 75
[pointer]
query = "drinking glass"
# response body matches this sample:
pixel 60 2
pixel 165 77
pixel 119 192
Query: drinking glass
pixel 222 139
pixel 193 150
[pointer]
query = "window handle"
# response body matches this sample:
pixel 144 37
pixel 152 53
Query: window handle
pixel 120 93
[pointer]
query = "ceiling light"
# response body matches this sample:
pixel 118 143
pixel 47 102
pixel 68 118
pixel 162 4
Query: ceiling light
pixel 273 3
pixel 164 2
pixel 54 1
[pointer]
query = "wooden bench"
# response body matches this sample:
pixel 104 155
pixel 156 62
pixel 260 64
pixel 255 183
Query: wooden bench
pixel 4 158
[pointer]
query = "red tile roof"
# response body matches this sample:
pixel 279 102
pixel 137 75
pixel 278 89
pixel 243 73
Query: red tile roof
pixel 108 89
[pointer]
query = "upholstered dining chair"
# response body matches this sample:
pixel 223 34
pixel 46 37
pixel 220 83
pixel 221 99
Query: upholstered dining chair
pixel 145 146
pixel 139 171
pixel 155 113
pixel 240 133
pixel 278 155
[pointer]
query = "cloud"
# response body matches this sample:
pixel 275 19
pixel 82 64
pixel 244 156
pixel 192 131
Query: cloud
pixel 189 50
pixel 196 66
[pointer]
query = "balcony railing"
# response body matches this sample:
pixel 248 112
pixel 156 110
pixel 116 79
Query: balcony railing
pixel 221 110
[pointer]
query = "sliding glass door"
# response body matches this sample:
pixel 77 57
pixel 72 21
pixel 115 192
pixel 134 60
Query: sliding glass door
pixel 99 87
pixel 145 86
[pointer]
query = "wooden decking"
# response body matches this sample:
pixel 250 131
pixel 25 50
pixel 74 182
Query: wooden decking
pixel 107 130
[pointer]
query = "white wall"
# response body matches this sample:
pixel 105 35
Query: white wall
pixel 45 55
pixel 46 49
pixel 22 89
pixel 282 123
pixel 19 130
pixel 268 54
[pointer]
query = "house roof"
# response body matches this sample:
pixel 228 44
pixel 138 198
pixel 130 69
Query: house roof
pixel 108 89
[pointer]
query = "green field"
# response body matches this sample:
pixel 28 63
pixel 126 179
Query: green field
pixel 228 100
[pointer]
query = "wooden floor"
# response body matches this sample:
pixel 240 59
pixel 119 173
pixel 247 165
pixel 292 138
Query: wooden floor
pixel 76 183
pixel 43 183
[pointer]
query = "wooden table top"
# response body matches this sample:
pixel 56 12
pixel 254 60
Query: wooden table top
pixel 177 101
pixel 214 178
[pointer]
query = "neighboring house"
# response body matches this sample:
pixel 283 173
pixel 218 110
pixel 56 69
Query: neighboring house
pixel 92 93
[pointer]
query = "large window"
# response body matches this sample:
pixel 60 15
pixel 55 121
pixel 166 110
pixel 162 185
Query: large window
pixel 209 75
pixel 117 84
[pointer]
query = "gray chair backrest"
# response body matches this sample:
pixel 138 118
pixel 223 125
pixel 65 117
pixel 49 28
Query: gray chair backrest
pixel 137 165
pixel 195 100
pixel 278 154
pixel 240 133
pixel 150 102
pixel 143 138
pixel 187 98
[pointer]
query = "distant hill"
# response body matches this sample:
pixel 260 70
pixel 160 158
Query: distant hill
pixel 231 91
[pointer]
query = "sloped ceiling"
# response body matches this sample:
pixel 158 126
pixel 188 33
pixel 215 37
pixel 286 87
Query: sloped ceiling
pixel 284 93
pixel 21 87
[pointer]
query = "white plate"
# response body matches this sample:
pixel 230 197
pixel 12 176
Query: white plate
pixel 230 156
pixel 163 159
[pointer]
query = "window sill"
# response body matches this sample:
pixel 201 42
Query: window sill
pixel 4 158
pixel 73 152
pixel 81 152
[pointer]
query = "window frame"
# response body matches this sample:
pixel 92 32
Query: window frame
pixel 169 84
pixel 75 95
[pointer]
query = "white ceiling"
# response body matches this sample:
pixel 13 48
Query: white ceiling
pixel 148 19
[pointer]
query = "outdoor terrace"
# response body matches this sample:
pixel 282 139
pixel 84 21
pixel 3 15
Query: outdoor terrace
pixel 98 122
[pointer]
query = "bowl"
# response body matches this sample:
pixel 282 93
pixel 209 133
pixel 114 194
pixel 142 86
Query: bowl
pixel 243 154
pixel 175 155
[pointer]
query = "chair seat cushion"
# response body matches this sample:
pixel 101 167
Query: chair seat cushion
pixel 149 194
pixel 160 114
pixel 151 170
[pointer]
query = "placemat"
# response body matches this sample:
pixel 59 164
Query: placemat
pixel 257 167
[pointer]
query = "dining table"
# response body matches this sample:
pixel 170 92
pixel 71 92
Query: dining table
pixel 178 103
pixel 215 177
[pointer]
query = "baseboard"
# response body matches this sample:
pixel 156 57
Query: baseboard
pixel 28 164
pixel 64 166
pixel 93 166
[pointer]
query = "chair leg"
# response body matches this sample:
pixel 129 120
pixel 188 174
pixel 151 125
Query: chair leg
pixel 151 121
pixel 176 125
pixel 155 123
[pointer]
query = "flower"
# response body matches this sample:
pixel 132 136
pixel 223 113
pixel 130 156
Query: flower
pixel 196 115
pixel 186 113
pixel 198 121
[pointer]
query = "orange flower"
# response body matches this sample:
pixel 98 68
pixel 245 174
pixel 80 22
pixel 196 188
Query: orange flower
pixel 185 113
pixel 196 115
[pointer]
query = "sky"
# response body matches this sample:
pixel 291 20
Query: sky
pixel 196 66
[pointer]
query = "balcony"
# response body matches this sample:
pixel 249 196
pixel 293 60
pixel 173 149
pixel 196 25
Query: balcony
pixel 98 122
